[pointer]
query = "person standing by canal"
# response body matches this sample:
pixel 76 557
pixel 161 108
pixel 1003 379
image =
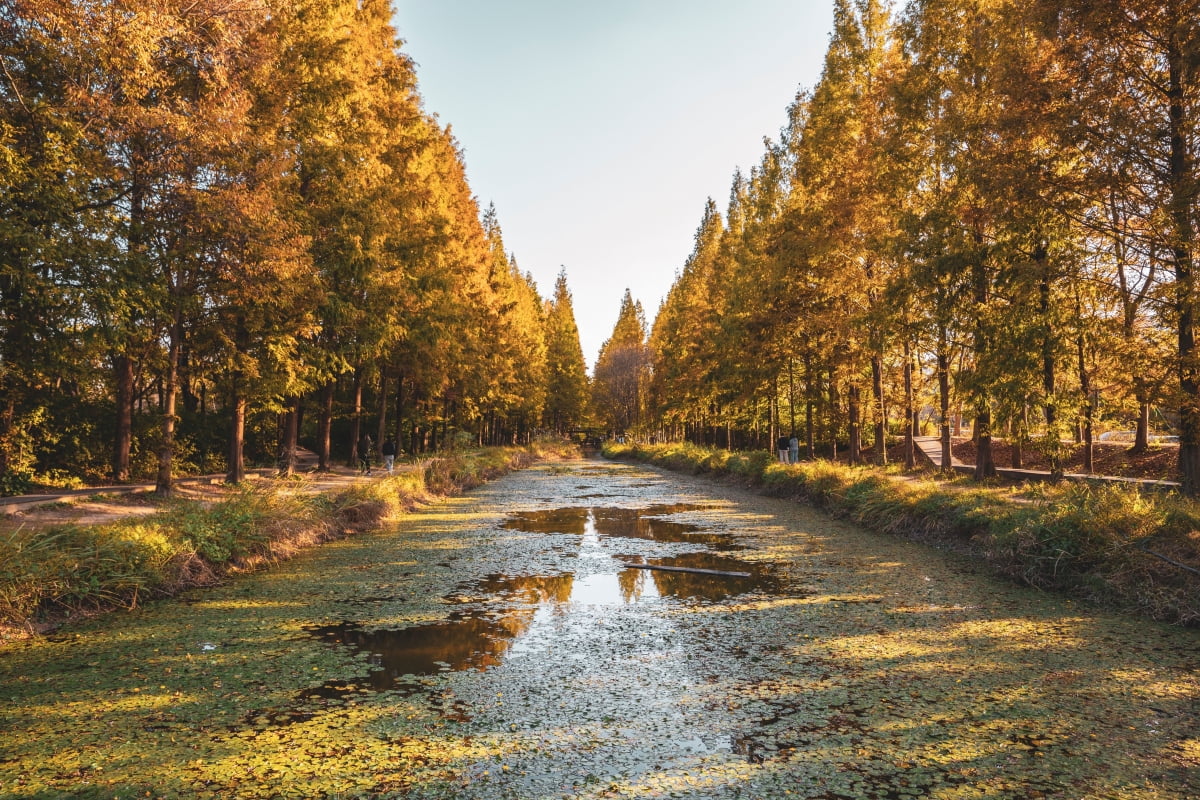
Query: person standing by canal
pixel 389 455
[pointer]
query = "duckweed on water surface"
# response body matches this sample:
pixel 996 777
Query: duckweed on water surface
pixel 470 653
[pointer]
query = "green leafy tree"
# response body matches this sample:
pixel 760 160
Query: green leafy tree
pixel 53 209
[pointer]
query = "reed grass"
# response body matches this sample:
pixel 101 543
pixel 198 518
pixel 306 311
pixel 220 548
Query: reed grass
pixel 1109 544
pixel 50 573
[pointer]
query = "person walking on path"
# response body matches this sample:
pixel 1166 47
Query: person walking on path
pixel 364 454
pixel 782 444
pixel 389 455
pixel 793 449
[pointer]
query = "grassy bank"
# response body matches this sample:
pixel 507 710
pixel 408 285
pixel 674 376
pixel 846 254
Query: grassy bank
pixel 55 572
pixel 1108 544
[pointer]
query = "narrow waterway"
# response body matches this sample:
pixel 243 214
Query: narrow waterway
pixel 525 641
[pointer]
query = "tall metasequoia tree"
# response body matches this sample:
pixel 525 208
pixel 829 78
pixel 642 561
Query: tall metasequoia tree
pixel 1037 246
pixel 53 208
pixel 166 111
pixel 954 50
pixel 839 187
pixel 755 298
pixel 357 124
pixel 438 356
pixel 933 238
pixel 513 354
pixel 266 292
pixel 1139 103
pixel 566 369
pixel 623 369
pixel 682 328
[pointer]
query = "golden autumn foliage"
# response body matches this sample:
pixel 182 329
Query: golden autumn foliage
pixel 231 229
pixel 983 214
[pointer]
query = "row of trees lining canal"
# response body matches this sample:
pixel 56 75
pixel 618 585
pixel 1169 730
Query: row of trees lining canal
pixel 232 224
pixel 983 204
pixel 228 222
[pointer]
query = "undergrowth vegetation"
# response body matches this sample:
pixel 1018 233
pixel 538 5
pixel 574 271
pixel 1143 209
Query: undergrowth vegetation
pixel 1110 544
pixel 65 569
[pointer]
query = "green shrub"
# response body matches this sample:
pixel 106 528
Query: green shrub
pixel 15 483
pixel 752 464
pixel 229 529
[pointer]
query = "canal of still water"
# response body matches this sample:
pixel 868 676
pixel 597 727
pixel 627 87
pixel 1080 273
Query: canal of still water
pixel 524 642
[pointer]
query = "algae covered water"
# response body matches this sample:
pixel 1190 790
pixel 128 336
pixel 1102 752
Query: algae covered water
pixel 590 629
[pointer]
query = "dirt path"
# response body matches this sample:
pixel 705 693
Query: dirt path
pixel 101 505
pixel 497 646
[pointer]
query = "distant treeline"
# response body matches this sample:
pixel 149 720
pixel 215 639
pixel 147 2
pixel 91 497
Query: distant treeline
pixel 228 226
pixel 985 208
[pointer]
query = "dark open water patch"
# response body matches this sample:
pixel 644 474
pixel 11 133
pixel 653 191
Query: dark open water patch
pixel 762 579
pixel 629 523
pixel 620 584
pixel 497 609
pixel 398 656
pixel 402 660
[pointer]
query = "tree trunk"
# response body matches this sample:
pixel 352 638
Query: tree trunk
pixel 985 466
pixel 910 454
pixel 123 441
pixel 291 435
pixel 235 471
pixel 8 419
pixel 880 409
pixel 834 410
pixel 1183 191
pixel 1089 405
pixel 1049 377
pixel 381 434
pixel 398 424
pixel 356 420
pixel 1019 428
pixel 943 370
pixel 285 459
pixel 810 434
pixel 325 428
pixel 855 420
pixel 1141 437
pixel 791 396
pixel 163 483
pixel 445 421
pixel 773 416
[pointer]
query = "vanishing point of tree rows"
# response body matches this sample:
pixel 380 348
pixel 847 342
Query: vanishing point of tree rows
pixel 984 209
pixel 228 226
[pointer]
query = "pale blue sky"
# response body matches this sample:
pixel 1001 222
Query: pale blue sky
pixel 599 129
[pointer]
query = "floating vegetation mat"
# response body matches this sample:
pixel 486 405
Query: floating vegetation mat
pixel 526 642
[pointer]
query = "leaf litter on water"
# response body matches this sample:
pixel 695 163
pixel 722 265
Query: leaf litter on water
pixel 873 668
